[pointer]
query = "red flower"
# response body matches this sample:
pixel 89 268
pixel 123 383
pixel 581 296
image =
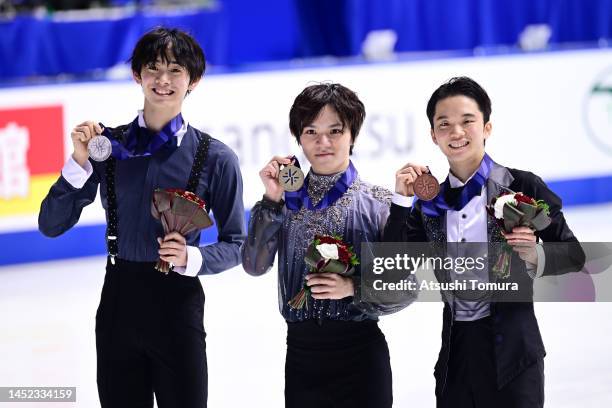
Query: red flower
pixel 522 198
pixel 326 239
pixel 187 195
pixel 344 254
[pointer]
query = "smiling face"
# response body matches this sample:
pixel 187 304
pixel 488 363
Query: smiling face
pixel 460 132
pixel 165 83
pixel 326 142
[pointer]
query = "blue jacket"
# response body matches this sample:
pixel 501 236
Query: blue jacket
pixel 220 186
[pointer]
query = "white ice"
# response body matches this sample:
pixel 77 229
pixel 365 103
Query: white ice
pixel 47 335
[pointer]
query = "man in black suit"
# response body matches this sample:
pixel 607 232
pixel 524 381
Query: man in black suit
pixel 492 351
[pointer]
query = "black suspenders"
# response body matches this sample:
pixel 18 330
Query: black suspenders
pixel 198 164
pixel 111 200
pixel 112 239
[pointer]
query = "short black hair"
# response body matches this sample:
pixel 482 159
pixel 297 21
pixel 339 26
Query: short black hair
pixel 156 44
pixel 462 86
pixel 309 103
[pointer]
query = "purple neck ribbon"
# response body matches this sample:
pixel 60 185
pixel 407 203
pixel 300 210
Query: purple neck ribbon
pixel 142 142
pixel 456 198
pixel 294 200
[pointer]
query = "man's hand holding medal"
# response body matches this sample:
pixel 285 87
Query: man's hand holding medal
pixel 414 179
pixel 88 142
pixel 280 175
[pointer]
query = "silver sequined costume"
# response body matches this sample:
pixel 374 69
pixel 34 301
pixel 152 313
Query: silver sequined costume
pixel 358 216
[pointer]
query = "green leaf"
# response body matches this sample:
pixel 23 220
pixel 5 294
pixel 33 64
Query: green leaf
pixel 541 204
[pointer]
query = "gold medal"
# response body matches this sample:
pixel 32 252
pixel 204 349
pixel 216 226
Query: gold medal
pixel 291 178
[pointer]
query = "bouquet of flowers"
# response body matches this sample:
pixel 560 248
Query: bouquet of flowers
pixel 179 211
pixel 325 254
pixel 512 210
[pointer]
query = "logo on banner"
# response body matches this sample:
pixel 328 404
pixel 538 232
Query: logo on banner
pixel 31 156
pixel 598 111
pixel 14 171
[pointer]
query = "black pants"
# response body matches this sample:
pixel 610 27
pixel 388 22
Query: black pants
pixel 472 377
pixel 150 339
pixel 337 364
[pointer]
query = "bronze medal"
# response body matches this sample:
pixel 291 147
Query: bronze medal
pixel 291 178
pixel 99 148
pixel 426 187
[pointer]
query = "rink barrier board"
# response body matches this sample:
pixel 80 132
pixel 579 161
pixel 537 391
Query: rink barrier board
pixel 32 246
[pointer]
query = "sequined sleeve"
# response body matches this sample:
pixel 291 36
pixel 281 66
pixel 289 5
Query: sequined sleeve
pixel 259 249
pixel 378 215
pixel 375 309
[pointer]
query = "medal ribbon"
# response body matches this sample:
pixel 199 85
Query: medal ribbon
pixel 143 142
pixel 296 199
pixel 440 204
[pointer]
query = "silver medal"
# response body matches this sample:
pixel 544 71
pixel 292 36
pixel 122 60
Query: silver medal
pixel 291 178
pixel 99 148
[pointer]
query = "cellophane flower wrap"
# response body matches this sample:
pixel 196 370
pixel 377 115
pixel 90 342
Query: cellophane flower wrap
pixel 325 254
pixel 512 210
pixel 179 211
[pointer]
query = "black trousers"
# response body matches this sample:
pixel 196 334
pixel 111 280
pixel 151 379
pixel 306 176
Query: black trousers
pixel 472 378
pixel 150 339
pixel 337 364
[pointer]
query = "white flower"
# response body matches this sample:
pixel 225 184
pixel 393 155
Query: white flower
pixel 500 202
pixel 328 251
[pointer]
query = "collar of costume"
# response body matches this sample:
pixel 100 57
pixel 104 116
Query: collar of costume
pixel 300 198
pixel 140 141
pixel 456 198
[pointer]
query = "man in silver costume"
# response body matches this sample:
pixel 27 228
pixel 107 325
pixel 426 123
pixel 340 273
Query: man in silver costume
pixel 336 354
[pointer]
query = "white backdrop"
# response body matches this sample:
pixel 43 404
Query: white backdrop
pixel 543 108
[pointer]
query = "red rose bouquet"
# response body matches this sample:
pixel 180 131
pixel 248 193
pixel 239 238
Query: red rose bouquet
pixel 326 254
pixel 179 211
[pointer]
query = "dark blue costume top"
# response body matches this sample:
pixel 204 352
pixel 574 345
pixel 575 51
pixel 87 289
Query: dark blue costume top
pixel 220 185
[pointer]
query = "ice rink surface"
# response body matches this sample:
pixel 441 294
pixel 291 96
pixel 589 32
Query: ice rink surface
pixel 47 315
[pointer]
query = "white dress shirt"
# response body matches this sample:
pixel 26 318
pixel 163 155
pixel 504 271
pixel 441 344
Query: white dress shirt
pixel 469 225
